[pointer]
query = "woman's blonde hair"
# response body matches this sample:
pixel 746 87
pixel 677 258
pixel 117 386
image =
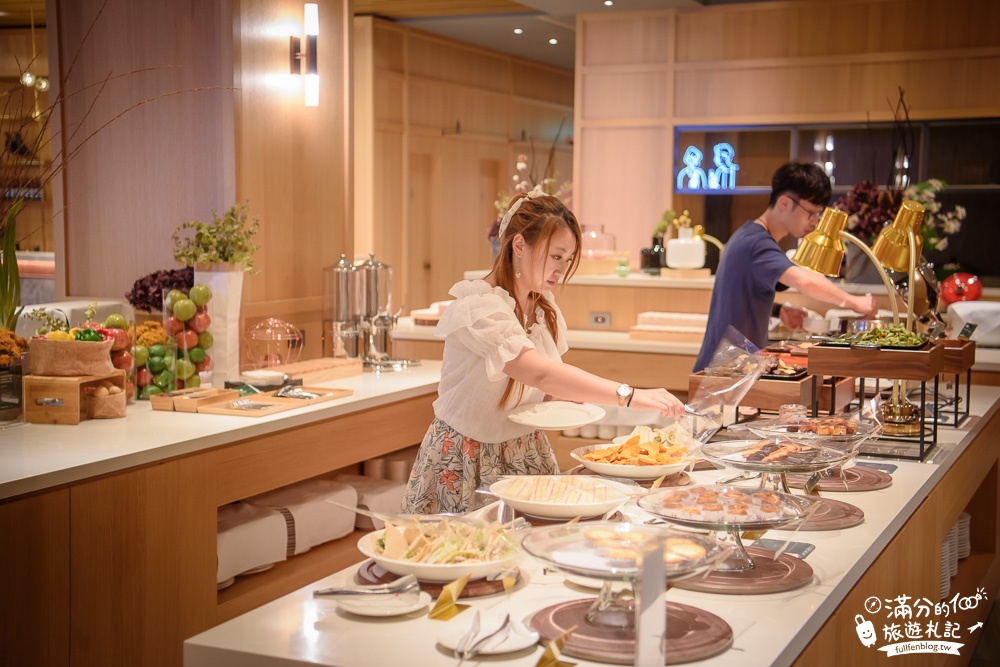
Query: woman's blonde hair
pixel 536 219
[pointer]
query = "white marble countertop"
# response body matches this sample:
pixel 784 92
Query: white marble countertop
pixel 298 629
pixel 34 457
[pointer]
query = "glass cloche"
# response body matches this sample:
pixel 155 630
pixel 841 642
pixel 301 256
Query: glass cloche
pixel 272 342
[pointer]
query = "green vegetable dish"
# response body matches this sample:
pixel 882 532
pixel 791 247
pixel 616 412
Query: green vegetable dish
pixel 894 336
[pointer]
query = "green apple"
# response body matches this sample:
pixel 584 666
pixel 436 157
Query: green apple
pixel 184 309
pixel 200 294
pixel 205 340
pixel 141 354
pixel 184 369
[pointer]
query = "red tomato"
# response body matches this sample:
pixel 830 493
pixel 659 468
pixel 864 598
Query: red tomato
pixel 186 339
pixel 961 287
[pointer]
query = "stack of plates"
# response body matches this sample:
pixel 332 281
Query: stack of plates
pixel 946 552
pixel 964 543
pixel 953 541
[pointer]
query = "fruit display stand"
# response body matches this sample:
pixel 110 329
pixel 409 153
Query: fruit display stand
pixel 50 399
pixel 959 357
pixel 919 365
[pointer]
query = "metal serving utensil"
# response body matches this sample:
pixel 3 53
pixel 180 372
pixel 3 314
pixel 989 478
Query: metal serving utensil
pixel 495 637
pixel 405 587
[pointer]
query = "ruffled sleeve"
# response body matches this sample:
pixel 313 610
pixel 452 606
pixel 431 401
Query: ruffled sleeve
pixel 562 347
pixel 482 320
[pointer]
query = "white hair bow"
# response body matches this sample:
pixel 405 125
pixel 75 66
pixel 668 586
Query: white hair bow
pixel 513 209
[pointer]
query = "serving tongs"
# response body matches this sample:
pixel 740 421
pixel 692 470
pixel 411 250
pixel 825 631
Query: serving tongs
pixel 406 589
pixel 292 391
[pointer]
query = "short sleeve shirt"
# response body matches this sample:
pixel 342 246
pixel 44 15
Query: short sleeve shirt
pixel 745 283
pixel 481 334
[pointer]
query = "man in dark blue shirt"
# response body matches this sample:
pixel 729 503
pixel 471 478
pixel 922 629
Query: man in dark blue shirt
pixel 753 264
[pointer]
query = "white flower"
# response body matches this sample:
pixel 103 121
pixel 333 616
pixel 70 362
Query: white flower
pixel 521 166
pixel 935 184
pixel 960 212
pixel 941 244
pixel 951 225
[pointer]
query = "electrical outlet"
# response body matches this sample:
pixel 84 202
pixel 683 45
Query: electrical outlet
pixel 600 320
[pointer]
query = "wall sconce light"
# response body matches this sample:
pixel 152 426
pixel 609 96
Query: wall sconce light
pixel 298 54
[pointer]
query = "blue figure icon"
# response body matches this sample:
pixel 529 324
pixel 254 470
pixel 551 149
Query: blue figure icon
pixel 723 178
pixel 693 171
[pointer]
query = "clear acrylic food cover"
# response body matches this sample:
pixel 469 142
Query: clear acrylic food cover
pixel 735 366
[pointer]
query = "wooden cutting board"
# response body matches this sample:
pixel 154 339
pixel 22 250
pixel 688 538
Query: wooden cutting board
pixel 320 370
pixel 274 404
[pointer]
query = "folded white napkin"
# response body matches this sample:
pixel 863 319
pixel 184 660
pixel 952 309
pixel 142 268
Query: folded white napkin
pixel 986 314
pixel 248 537
pixel 377 495
pixel 313 520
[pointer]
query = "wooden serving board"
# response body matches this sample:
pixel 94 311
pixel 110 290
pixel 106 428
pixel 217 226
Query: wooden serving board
pixel 772 394
pixel 225 407
pixel 326 394
pixel 320 370
pixel 194 401
pixel 922 364
pixel 646 332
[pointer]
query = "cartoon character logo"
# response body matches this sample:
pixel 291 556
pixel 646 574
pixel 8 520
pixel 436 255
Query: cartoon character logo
pixel 866 631
pixel 693 172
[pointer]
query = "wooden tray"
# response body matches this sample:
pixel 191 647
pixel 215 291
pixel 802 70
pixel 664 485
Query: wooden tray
pixel 772 394
pixel 320 370
pixel 649 332
pixel 922 364
pixel 959 355
pixel 189 400
pixel 326 394
pixel 50 399
pixel 224 407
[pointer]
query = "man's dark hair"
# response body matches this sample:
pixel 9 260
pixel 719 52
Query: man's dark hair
pixel 801 180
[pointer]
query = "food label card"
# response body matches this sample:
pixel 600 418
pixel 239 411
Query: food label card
pixel 798 549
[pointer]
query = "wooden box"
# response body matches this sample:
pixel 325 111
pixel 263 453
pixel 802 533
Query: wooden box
pixel 61 399
pixel 768 394
pixel 922 364
pixel 959 355
pixel 188 400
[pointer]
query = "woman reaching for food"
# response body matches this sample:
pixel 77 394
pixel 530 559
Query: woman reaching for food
pixel 503 341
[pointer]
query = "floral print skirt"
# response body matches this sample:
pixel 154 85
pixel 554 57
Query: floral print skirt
pixel 450 467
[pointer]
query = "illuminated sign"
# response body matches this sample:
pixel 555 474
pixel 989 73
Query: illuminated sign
pixel 722 177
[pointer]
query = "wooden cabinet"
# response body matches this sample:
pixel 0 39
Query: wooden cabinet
pixel 119 570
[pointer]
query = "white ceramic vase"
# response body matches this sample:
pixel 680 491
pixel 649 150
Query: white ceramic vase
pixel 226 283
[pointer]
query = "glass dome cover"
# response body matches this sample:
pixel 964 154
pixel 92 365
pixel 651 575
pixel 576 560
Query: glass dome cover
pixel 272 342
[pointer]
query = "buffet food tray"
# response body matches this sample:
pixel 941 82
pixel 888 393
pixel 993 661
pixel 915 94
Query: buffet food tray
pixel 772 394
pixel 919 364
pixel 959 355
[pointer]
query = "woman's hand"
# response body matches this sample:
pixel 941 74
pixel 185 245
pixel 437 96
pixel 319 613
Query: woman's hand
pixel 661 400
pixel 867 305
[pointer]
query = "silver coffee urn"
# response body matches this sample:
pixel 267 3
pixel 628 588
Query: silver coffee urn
pixel 341 310
pixel 356 318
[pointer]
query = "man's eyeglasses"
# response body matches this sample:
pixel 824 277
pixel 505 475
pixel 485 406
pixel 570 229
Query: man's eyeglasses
pixel 813 215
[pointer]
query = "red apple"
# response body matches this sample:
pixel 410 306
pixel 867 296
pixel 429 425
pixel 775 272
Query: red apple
pixel 122 359
pixel 201 309
pixel 121 339
pixel 205 365
pixel 200 322
pixel 143 377
pixel 172 325
pixel 186 339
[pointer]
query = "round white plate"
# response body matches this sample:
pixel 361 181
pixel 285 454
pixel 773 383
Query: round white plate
pixel 520 636
pixel 388 607
pixel 556 415
pixel 617 494
pixel 434 572
pixel 623 470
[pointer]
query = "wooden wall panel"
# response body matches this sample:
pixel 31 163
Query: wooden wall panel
pixel 622 184
pixel 390 45
pixel 538 82
pixel 294 163
pixel 454 110
pixel 388 236
pixel 35 581
pixel 446 60
pixel 627 38
pixel 146 124
pixel 625 95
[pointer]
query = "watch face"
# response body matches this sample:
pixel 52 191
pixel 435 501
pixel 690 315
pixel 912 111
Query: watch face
pixel 623 390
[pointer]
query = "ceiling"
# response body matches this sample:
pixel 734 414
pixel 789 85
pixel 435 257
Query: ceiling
pixel 487 23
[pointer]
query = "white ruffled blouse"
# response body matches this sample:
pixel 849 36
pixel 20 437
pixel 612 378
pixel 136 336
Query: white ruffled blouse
pixel 482 334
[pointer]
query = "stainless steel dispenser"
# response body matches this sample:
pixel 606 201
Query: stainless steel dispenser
pixel 341 309
pixel 377 322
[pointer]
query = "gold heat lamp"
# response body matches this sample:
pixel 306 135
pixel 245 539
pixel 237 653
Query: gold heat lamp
pixel 898 248
pixel 822 250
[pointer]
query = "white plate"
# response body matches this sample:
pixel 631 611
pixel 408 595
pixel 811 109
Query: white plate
pixel 391 606
pixel 556 415
pixel 520 637
pixel 617 495
pixel 438 573
pixel 624 470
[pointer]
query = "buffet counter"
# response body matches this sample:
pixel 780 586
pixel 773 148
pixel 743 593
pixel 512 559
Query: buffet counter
pixel 130 506
pixel 895 552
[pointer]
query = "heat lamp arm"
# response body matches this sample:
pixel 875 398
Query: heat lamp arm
pixel 714 241
pixel 890 290
pixel 911 286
